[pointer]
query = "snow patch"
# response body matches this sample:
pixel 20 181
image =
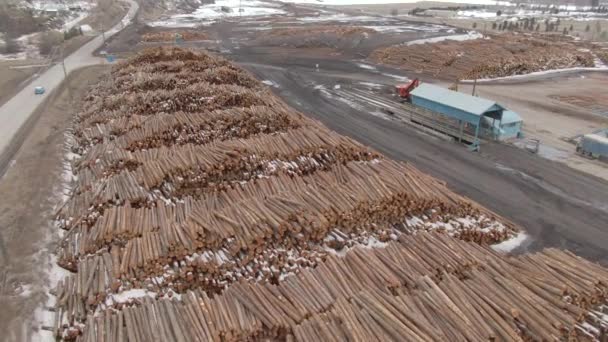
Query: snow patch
pixel 271 83
pixel 397 77
pixel 128 296
pixel 471 35
pixel 366 66
pixel 539 73
pixel 510 244
pixel 209 13
pixel 372 85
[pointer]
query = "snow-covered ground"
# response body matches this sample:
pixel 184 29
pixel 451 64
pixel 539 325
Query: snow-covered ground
pixel 378 2
pixel 208 14
pixel 75 11
pixel 523 13
pixel 52 271
pixel 510 244
pixel 406 28
pixel 458 37
pixel 544 73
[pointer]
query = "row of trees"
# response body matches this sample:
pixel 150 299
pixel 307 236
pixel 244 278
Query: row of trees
pixel 46 41
pixel 531 24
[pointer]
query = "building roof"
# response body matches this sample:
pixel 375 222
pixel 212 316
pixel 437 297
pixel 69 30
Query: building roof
pixel 454 99
pixel 598 138
pixel 509 116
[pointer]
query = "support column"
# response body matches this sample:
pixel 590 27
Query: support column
pixel 476 142
pixel 461 126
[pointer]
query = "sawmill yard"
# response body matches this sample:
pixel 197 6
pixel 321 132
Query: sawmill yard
pixel 244 176
pixel 204 208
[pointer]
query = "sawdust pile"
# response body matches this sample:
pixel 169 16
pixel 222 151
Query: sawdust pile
pixel 498 56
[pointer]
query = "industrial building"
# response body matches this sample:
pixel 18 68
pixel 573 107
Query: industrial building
pixel 595 145
pixel 482 117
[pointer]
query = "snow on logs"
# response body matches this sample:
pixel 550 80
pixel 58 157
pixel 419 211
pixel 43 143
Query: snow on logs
pixel 206 209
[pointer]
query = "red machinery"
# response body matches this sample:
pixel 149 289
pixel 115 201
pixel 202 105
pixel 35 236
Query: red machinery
pixel 404 90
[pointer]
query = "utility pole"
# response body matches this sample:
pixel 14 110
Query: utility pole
pixel 65 74
pixel 103 34
pixel 474 86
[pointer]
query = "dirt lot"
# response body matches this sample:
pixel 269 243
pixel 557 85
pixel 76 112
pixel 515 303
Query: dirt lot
pixel 31 188
pixel 556 110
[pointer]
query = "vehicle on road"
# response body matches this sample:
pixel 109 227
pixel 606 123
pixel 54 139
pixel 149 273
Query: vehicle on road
pixel 39 90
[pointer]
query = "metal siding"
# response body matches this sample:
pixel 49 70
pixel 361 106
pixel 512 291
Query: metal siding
pixel 510 131
pixel 446 110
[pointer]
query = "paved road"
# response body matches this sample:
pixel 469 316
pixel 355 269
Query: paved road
pixel 15 113
pixel 558 206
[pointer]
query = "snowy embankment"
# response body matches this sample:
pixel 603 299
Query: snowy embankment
pixel 52 271
pixel 221 9
pixel 540 74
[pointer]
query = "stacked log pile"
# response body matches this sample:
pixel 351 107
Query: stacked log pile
pixel 172 35
pixel 332 36
pixel 427 287
pixel 207 207
pixel 498 56
pixel 602 54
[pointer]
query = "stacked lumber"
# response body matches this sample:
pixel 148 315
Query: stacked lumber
pixel 189 185
pixel 427 287
pixel 498 56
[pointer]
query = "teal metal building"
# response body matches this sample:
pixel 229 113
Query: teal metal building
pixel 595 144
pixel 484 117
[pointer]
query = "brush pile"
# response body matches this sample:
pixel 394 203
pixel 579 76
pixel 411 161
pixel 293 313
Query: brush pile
pixel 171 36
pixel 209 219
pixel 498 56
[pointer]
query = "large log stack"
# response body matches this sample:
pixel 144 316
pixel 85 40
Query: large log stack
pixel 206 209
pixel 490 57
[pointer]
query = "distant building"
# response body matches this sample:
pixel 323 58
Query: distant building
pixel 487 118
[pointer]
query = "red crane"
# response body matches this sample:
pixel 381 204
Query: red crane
pixel 404 90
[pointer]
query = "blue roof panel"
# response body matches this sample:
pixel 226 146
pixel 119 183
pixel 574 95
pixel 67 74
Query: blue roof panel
pixel 509 116
pixel 454 99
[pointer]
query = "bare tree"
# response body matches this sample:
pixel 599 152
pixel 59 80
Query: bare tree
pixel 10 44
pixel 48 40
